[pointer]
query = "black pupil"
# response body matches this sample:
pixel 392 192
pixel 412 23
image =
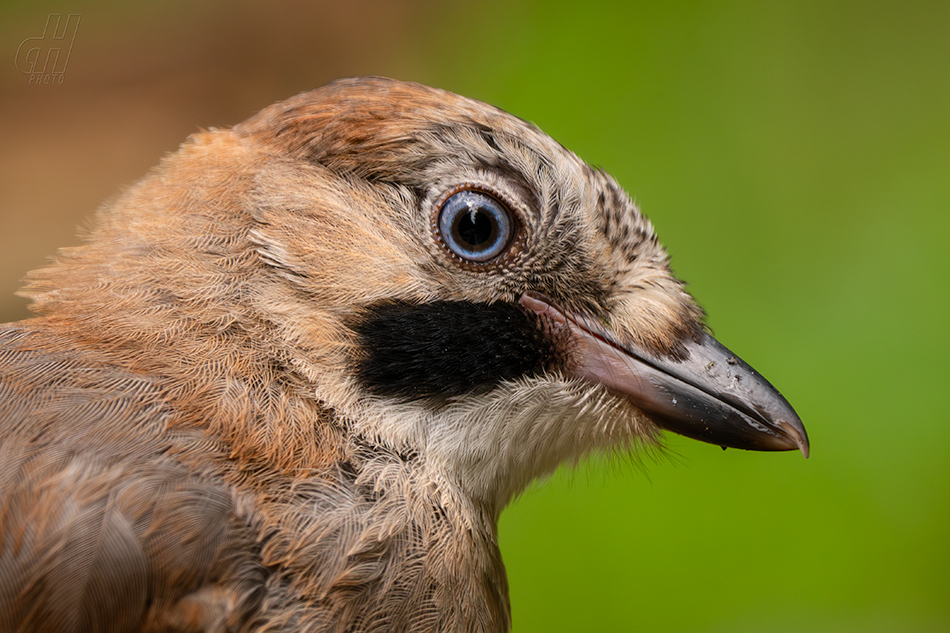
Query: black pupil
pixel 475 228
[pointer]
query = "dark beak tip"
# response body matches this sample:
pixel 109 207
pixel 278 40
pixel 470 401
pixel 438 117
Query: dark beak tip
pixel 803 445
pixel 793 436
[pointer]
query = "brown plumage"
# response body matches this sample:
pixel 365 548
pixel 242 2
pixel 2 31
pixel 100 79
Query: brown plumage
pixel 281 387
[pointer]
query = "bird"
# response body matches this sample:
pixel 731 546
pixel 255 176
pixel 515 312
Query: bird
pixel 292 377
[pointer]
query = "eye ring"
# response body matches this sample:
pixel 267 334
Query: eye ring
pixel 474 225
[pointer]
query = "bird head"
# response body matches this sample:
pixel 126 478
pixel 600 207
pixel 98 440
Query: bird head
pixel 498 306
pixel 448 280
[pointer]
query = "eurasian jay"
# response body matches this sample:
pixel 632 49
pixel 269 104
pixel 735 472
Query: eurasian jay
pixel 294 375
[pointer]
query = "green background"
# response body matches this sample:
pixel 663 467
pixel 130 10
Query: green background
pixel 795 160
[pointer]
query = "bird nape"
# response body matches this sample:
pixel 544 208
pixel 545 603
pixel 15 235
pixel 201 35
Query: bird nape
pixel 293 376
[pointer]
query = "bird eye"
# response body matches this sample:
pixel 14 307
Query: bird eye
pixel 475 226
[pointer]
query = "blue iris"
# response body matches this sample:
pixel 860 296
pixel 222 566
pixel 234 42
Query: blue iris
pixel 475 226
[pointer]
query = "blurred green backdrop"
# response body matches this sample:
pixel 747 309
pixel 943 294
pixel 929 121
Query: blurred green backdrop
pixel 795 159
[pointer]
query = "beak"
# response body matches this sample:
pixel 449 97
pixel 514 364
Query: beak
pixel 713 395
